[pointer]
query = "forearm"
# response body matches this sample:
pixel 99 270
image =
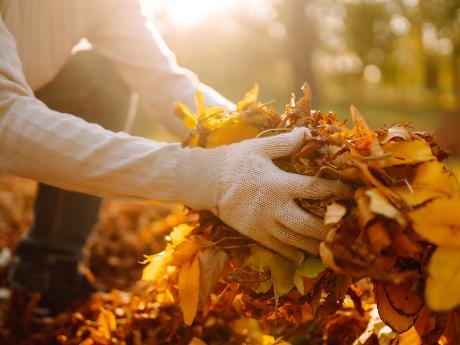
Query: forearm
pixel 65 151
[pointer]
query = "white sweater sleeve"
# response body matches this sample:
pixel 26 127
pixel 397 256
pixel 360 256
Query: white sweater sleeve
pixel 65 151
pixel 133 44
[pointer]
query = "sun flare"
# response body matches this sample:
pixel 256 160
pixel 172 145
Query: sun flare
pixel 187 13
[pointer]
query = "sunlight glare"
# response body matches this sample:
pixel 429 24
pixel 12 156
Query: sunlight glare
pixel 186 13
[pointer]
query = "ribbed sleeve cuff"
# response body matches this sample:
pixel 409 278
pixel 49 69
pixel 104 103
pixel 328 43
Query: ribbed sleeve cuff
pixel 198 177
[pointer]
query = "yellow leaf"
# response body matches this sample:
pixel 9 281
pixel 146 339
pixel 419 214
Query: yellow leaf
pixel 439 222
pixel 405 152
pixel 106 323
pixel 231 132
pixel 410 337
pixel 180 233
pixel 334 213
pixel 196 341
pixel 200 103
pixel 282 271
pixel 298 282
pixel 431 180
pixel 271 340
pixel 189 288
pixel 442 290
pixel 249 98
pixel 156 265
pixel 185 251
pixel 189 118
pixel 213 111
pixel 259 261
pixel 311 267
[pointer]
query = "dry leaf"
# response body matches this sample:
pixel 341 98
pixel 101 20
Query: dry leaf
pixel 196 341
pixel 282 271
pixel 431 180
pixel 212 263
pixel 442 291
pixel 106 323
pixel 405 152
pixel 404 297
pixel 378 236
pixel 398 131
pixel 334 213
pixel 397 321
pixel 189 289
pixel 249 98
pixel 439 222
pixel 380 205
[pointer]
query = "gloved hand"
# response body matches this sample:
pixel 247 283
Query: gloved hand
pixel 252 195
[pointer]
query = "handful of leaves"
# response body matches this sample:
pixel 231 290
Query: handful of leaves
pixel 401 230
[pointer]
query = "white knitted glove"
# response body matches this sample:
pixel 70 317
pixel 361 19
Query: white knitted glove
pixel 242 186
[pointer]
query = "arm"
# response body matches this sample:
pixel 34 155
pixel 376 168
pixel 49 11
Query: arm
pixel 139 53
pixel 65 151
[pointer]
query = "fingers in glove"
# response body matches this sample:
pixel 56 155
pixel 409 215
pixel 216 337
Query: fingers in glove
pixel 310 187
pixel 280 247
pixel 302 222
pixel 294 239
pixel 283 144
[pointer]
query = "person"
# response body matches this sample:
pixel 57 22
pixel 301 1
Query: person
pixel 61 122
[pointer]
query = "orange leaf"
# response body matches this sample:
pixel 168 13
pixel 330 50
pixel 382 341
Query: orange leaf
pixel 378 236
pixel 404 297
pixel 189 288
pixel 397 321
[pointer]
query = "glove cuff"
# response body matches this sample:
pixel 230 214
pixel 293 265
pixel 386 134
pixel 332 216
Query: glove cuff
pixel 198 174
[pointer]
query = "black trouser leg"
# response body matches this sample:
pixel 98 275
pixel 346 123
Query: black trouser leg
pixel 88 87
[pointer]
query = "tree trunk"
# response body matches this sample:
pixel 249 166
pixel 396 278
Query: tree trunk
pixel 300 44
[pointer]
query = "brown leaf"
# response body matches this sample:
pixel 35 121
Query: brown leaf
pixel 212 263
pixel 397 321
pixel 405 297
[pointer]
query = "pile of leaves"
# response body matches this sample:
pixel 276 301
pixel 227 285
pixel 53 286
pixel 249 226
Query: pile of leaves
pixel 398 235
pixel 125 231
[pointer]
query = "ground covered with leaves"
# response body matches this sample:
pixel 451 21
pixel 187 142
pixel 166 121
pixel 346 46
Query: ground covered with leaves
pixel 388 272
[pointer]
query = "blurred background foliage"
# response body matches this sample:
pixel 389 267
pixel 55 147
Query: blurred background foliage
pixel 397 60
